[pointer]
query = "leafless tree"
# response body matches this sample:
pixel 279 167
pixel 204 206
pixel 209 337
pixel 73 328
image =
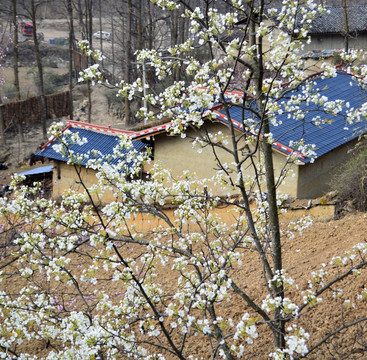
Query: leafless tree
pixel 69 7
pixel 346 26
pixel 31 9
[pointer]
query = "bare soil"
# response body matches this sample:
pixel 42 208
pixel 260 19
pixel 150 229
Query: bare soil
pixel 302 255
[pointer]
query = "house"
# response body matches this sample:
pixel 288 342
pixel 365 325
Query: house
pixel 101 138
pixel 328 29
pixel 309 179
pixel 332 139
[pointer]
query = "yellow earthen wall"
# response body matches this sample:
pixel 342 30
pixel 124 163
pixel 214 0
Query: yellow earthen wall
pixel 178 155
pixel 65 177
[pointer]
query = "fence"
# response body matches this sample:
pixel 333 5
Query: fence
pixel 29 111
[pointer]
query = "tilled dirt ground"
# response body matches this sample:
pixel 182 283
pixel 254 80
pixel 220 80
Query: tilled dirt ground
pixel 311 251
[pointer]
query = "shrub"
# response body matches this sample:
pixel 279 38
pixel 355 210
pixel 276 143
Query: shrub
pixel 9 92
pixel 351 179
pixel 52 81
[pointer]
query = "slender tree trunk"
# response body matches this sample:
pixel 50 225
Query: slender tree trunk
pixel 40 71
pixel 150 27
pixel 174 37
pixel 86 28
pixel 82 26
pixel 2 127
pixel 16 62
pixel 140 26
pixel 174 27
pixel 346 26
pixel 89 20
pixel 278 291
pixel 89 27
pixel 16 52
pixel 113 50
pixel 140 42
pixel 100 27
pixel 89 87
pixel 181 68
pixel 128 117
pixel 150 39
pixel 71 49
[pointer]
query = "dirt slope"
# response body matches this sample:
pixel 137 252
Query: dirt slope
pixel 305 253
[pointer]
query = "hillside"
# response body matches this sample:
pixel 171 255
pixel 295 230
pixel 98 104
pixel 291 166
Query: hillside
pixel 311 251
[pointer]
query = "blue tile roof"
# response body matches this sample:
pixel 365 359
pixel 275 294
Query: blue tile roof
pixel 96 141
pixel 326 137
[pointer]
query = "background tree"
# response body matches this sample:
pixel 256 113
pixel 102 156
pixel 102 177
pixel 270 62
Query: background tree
pixel 100 26
pixel 346 26
pixel 15 44
pixel 85 16
pixel 2 122
pixel 69 7
pixel 15 24
pixel 32 8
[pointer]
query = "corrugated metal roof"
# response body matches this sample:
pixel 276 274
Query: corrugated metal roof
pixel 105 143
pixel 325 137
pixel 38 171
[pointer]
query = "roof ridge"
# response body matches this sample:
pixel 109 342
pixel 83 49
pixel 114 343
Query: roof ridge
pixel 107 130
pixel 100 129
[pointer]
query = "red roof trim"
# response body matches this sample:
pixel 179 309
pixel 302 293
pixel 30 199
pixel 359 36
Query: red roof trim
pixel 275 143
pixel 100 128
pixel 44 146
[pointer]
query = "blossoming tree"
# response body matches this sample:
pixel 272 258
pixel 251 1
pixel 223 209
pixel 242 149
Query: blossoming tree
pixel 87 280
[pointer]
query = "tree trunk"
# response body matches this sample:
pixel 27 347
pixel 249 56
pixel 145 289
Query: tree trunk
pixel 181 68
pixel 140 26
pixel 128 77
pixel 100 28
pixel 85 23
pixel 150 27
pixel 2 127
pixel 81 20
pixel 278 291
pixel 174 37
pixel 71 48
pixel 16 52
pixel 16 65
pixel 346 26
pixel 89 28
pixel 90 21
pixel 40 71
pixel 113 50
